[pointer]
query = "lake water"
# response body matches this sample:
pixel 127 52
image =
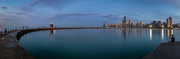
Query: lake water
pixel 95 43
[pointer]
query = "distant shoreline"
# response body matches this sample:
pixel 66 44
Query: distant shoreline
pixel 131 28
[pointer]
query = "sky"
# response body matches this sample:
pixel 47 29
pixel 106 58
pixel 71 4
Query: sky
pixel 80 13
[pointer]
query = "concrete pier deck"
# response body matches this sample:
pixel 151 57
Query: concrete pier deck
pixel 165 51
pixel 11 49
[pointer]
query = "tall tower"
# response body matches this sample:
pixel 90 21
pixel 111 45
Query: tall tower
pixel 125 24
pixel 170 19
pixel 51 24
pixel 154 24
pixel 104 25
pixel 122 23
pixel 124 19
pixel 142 24
pixel 136 24
pixel 129 23
pixel 168 23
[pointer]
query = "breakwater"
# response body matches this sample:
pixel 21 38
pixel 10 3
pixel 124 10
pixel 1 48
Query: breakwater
pixel 22 32
pixel 10 47
pixel 166 50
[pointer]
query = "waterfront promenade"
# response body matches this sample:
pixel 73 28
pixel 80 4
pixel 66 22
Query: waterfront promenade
pixel 165 51
pixel 11 49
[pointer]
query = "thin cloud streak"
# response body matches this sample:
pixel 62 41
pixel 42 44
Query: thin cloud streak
pixel 110 16
pixel 4 8
pixel 34 3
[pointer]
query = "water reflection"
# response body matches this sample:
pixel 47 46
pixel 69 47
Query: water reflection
pixel 51 34
pixel 169 33
pixel 150 34
pixel 162 33
pixel 129 33
pixel 85 43
pixel 140 33
pixel 54 32
pixel 124 33
pixel 134 33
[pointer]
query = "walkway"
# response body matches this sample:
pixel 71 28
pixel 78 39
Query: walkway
pixel 165 51
pixel 11 49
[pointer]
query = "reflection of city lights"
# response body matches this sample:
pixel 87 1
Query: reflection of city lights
pixel 54 32
pixel 168 33
pixel 51 34
pixel 162 34
pixel 151 34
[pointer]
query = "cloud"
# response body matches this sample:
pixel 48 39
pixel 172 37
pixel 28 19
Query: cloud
pixel 4 8
pixel 175 3
pixel 110 16
pixel 18 18
pixel 34 3
pixel 54 3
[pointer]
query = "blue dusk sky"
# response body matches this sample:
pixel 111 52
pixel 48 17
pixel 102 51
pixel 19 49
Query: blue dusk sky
pixel 79 13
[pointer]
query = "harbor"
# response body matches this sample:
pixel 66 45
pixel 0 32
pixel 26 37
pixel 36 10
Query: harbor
pixel 11 48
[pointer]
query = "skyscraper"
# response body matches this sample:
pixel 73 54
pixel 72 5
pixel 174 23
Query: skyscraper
pixel 104 25
pixel 170 19
pixel 168 22
pixel 109 25
pixel 129 23
pixel 125 24
pixel 141 24
pixel 154 24
pixel 164 23
pixel 124 19
pixel 136 24
pixel 159 24
pixel 122 23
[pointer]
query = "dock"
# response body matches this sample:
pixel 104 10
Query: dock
pixel 11 49
pixel 165 51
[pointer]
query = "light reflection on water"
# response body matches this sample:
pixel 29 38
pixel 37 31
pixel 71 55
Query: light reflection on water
pixel 95 43
pixel 162 34
pixel 150 34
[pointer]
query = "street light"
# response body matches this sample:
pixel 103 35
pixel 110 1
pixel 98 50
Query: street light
pixel 150 26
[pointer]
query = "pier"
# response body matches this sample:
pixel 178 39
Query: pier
pixel 165 51
pixel 10 47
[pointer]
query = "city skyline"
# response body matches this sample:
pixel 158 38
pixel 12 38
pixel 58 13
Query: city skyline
pixel 141 24
pixel 79 13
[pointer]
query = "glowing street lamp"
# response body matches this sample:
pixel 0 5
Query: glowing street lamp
pixel 150 26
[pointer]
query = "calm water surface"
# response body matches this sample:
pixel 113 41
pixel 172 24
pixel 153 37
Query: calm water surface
pixel 95 43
